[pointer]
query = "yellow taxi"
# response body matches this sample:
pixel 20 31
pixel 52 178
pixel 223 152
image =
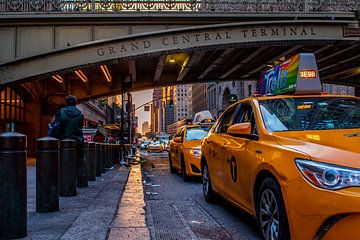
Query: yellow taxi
pixel 291 161
pixel 155 146
pixel 185 150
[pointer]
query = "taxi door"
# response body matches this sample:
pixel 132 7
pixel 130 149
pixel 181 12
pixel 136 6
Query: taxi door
pixel 216 143
pixel 240 154
pixel 176 150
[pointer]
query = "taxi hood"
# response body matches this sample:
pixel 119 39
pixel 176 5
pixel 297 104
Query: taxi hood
pixel 340 147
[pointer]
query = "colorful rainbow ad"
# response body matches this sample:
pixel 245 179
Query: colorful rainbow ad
pixel 297 73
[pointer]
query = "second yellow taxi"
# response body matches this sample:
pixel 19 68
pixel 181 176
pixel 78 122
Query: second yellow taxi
pixel 185 150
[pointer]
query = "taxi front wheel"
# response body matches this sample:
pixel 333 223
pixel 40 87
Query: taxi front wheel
pixel 183 170
pixel 271 213
pixel 209 194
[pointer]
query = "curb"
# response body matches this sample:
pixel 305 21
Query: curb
pixel 130 221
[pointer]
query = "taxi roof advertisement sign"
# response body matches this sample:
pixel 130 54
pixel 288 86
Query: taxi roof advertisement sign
pixel 297 75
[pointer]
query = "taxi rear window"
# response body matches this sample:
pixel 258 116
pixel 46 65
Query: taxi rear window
pixel 296 114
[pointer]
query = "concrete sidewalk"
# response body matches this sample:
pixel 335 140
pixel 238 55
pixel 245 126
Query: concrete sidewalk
pixel 130 221
pixel 85 216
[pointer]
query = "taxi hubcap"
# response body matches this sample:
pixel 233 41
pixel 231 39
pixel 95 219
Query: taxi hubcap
pixel 205 180
pixel 269 216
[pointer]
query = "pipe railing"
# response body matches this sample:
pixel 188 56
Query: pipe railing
pixel 101 6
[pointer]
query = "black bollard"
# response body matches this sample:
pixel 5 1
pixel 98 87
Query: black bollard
pixel 111 155
pixel 87 159
pixel 98 159
pixel 68 159
pixel 103 157
pixel 13 206
pixel 82 180
pixel 91 164
pixel 108 156
pixel 47 175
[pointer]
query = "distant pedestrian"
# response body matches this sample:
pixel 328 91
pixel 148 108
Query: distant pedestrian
pixel 71 124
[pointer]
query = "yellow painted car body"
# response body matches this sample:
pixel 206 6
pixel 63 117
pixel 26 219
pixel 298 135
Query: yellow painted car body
pixel 155 147
pixel 237 165
pixel 185 153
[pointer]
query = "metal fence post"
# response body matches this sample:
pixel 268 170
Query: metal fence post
pixel 68 159
pixel 13 205
pixel 98 159
pixel 103 157
pixel 47 175
pixel 91 162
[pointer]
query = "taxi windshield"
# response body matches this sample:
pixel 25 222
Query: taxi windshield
pixel 196 133
pixel 322 113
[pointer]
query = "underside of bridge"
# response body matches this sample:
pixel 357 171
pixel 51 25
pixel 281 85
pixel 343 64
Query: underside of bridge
pixel 338 63
pixel 235 51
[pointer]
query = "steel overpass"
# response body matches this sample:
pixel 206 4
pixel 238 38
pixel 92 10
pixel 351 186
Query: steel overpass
pixel 51 48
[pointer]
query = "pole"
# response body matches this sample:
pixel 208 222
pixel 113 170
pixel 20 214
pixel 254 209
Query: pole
pixel 13 207
pixel 129 115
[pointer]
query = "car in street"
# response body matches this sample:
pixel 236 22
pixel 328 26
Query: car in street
pixel 291 161
pixel 155 146
pixel 185 150
pixel 144 145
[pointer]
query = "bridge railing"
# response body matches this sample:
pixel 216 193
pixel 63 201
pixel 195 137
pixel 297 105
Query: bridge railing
pixel 100 6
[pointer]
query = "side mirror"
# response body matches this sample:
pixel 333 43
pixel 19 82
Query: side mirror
pixel 242 130
pixel 177 139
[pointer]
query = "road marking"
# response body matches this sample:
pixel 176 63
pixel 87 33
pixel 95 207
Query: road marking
pixel 187 226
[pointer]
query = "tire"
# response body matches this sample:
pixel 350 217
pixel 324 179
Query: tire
pixel 209 194
pixel 183 170
pixel 172 169
pixel 271 212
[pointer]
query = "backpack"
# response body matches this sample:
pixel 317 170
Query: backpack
pixel 54 126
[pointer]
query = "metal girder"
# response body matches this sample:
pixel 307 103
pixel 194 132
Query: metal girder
pixel 159 68
pixel 246 60
pixel 336 53
pixel 218 62
pixel 194 60
pixel 342 72
pixel 339 63
pixel 291 50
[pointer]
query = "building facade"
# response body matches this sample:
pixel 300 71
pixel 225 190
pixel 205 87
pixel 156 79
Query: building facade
pixel 199 97
pixel 162 108
pixel 145 128
pixel 182 101
pixel 338 89
pixel 218 94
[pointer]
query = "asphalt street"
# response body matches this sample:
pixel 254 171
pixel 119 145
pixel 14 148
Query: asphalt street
pixel 178 210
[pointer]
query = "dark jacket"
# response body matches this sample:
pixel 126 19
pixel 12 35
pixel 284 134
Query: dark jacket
pixel 71 123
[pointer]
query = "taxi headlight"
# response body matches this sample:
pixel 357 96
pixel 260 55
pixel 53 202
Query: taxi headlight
pixel 328 176
pixel 195 152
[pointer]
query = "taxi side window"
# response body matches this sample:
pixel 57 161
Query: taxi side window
pixel 226 120
pixel 246 114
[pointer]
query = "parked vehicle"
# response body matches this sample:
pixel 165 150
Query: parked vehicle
pixel 291 161
pixel 185 150
pixel 155 146
pixel 144 145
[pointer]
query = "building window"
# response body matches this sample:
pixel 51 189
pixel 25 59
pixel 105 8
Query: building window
pixel 12 109
pixel 249 90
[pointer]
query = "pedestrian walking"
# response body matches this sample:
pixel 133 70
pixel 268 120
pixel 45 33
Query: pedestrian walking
pixel 71 124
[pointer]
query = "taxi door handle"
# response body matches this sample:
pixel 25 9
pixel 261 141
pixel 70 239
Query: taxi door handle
pixel 223 147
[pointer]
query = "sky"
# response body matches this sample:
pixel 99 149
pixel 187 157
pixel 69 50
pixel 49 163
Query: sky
pixel 140 98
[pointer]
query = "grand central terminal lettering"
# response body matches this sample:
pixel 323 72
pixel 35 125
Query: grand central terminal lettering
pixel 216 37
